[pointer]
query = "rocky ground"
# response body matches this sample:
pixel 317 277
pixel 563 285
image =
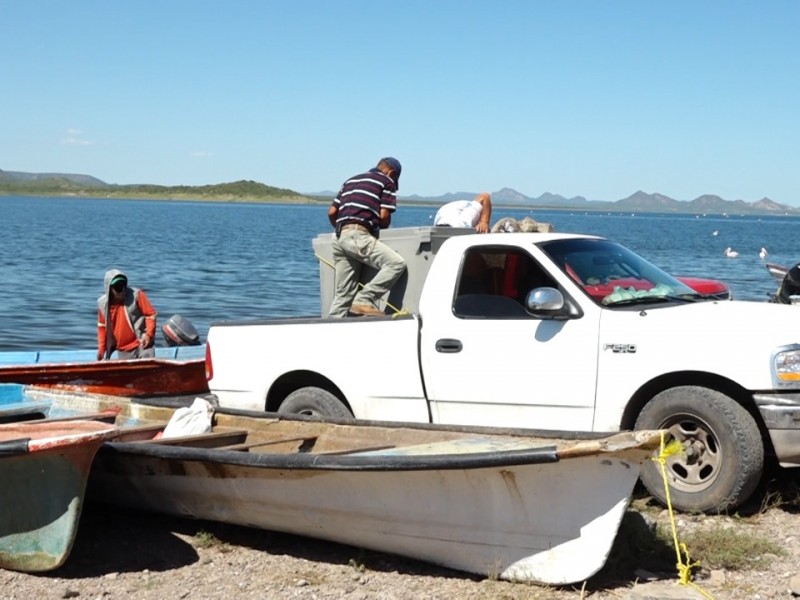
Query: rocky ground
pixel 121 554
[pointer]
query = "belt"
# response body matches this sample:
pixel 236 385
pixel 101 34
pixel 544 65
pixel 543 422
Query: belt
pixel 356 226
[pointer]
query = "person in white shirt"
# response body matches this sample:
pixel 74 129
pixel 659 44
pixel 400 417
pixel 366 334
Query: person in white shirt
pixel 475 213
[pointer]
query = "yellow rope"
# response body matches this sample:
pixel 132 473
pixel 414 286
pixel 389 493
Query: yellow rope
pixel 398 312
pixel 684 568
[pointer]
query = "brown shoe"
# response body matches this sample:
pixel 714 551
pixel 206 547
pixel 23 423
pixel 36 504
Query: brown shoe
pixel 366 309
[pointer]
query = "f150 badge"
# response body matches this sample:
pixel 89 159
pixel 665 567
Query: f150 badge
pixel 620 348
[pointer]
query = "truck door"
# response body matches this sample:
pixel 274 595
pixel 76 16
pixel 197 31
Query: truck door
pixel 487 361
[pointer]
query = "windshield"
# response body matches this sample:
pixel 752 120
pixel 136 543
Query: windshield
pixel 611 274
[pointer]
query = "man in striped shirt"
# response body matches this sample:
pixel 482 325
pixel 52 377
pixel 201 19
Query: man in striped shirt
pixel 360 210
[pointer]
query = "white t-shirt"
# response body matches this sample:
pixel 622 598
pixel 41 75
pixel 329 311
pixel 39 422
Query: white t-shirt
pixel 459 213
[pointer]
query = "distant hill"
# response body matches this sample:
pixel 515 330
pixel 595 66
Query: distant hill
pixel 637 202
pixel 12 182
pixel 66 184
pixel 26 178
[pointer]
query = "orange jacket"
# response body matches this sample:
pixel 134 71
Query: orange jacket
pixel 125 338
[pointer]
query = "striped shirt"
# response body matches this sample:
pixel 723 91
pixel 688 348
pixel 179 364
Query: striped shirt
pixel 361 199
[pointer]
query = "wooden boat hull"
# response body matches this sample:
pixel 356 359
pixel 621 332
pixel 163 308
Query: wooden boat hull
pixel 44 469
pixel 519 505
pixel 551 523
pixel 136 378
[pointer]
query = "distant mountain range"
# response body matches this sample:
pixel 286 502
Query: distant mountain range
pixel 637 202
pixel 31 183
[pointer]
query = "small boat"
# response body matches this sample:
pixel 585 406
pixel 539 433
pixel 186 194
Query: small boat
pixel 788 291
pixel 174 371
pixel 44 468
pixel 778 272
pixel 525 506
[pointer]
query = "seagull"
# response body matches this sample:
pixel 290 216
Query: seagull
pixel 731 253
pixel 763 253
pixel 715 232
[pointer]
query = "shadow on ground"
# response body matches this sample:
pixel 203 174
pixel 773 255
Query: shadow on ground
pixel 115 540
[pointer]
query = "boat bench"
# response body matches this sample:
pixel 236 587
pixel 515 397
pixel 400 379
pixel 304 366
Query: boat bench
pixel 357 450
pixel 214 439
pixel 103 416
pixel 142 433
pixel 273 442
pixel 24 411
pixel 308 442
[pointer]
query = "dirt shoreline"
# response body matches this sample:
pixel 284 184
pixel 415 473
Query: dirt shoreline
pixel 128 554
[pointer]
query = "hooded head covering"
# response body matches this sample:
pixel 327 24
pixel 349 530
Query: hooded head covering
pixel 111 277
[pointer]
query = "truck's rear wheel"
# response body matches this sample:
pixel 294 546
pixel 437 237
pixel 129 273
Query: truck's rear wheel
pixel 314 401
pixel 723 456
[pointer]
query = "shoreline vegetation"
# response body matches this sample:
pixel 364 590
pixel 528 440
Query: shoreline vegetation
pixel 246 191
pixel 238 191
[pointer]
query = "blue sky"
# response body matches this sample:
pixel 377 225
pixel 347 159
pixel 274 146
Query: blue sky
pixel 598 99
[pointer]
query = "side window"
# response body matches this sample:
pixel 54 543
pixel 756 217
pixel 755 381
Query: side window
pixel 494 282
pixel 477 277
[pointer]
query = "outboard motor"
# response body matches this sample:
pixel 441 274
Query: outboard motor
pixel 178 331
pixel 790 286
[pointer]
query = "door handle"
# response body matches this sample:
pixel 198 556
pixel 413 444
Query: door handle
pixel 448 345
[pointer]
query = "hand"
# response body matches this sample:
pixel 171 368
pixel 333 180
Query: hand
pixel 145 343
pixel 100 354
pixel 482 227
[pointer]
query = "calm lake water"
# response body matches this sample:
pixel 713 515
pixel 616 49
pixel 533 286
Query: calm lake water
pixel 214 261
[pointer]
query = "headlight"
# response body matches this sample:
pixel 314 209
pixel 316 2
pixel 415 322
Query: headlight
pixel 786 366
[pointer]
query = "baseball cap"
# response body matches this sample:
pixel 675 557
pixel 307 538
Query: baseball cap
pixel 394 164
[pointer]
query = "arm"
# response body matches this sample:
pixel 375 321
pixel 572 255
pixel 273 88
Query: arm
pixel 101 335
pixel 485 200
pixel 388 204
pixel 386 218
pixel 149 319
pixel 333 213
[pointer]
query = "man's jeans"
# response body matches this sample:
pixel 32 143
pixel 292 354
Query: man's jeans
pixel 352 249
pixel 137 353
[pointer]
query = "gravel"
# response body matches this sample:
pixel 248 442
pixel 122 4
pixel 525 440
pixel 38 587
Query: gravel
pixel 124 554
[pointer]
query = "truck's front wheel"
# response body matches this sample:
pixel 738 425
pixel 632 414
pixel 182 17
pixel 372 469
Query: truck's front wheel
pixel 314 401
pixel 723 453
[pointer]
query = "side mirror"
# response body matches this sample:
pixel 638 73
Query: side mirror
pixel 545 302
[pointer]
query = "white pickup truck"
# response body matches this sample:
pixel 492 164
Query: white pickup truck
pixel 542 331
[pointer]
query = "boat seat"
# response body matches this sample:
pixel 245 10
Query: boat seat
pixel 357 450
pixel 24 411
pixel 214 439
pixel 141 433
pixel 103 416
pixel 285 440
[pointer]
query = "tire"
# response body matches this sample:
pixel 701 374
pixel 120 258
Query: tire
pixel 723 457
pixel 314 401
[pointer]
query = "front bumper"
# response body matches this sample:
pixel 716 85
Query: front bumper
pixel 781 414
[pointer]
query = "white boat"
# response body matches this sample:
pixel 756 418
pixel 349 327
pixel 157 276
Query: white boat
pixel 788 291
pixel 513 504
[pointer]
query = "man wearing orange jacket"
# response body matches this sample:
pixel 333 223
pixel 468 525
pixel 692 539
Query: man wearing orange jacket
pixel 126 321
